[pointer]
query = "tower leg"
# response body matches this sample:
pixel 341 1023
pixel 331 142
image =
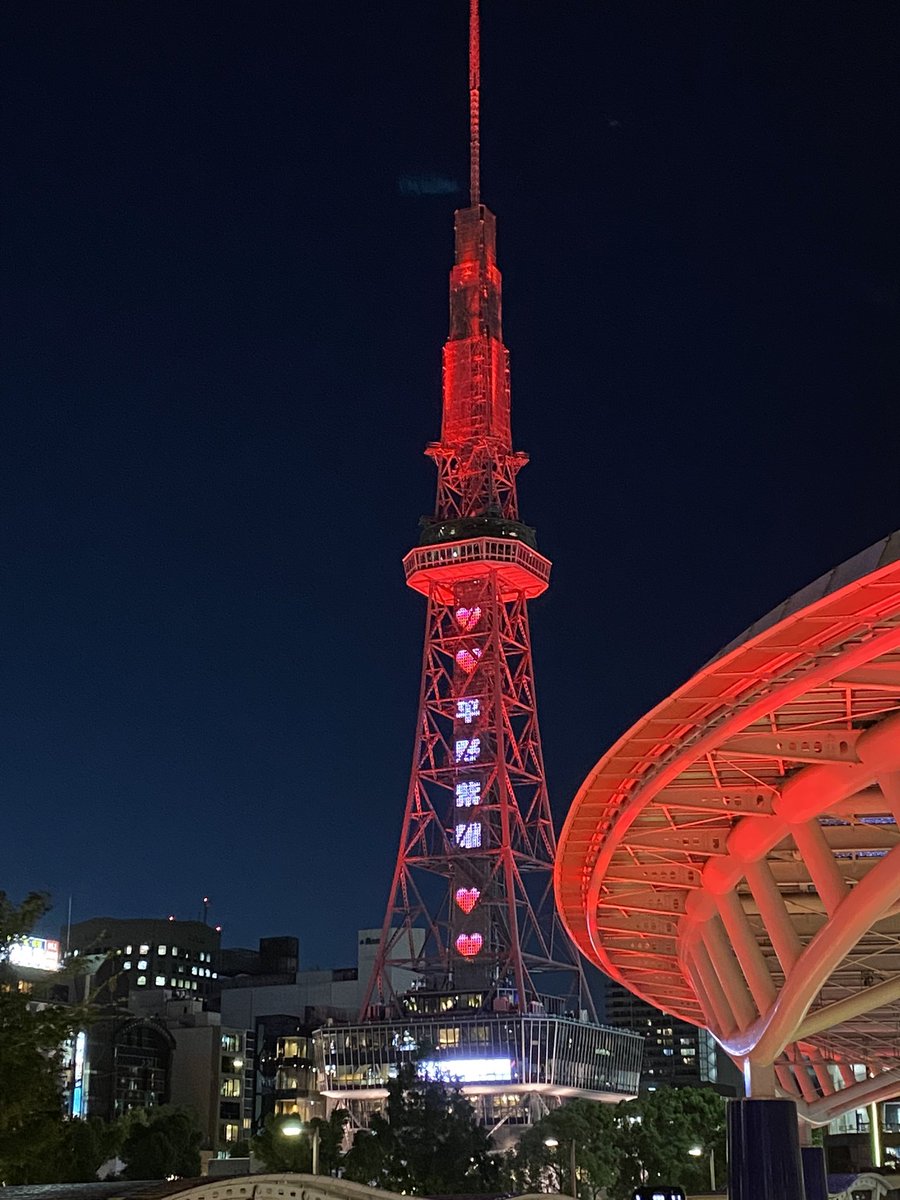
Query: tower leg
pixel 764 1151
pixel 814 1178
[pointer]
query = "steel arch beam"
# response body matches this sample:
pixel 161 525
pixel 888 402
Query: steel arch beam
pixel 751 822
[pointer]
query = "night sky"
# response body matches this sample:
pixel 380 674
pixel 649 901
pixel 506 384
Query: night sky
pixel 226 233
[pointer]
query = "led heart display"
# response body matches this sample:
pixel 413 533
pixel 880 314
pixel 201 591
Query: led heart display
pixel 468 659
pixel 467 898
pixel 469 944
pixel 468 618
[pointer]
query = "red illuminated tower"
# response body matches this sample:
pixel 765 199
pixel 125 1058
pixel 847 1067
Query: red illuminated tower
pixel 475 979
pixel 471 909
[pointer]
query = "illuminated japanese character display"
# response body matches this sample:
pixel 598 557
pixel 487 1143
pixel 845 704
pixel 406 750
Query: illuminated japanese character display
pixel 468 750
pixel 468 793
pixel 468 836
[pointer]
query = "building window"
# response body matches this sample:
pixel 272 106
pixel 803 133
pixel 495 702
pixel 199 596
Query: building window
pixel 230 1132
pixel 230 1087
pixel 173 983
pixel 231 1042
pixel 128 949
pixel 175 950
pixel 161 950
pixel 141 980
pixel 126 965
pixel 144 950
pixel 160 981
pixel 142 964
pixel 448 1037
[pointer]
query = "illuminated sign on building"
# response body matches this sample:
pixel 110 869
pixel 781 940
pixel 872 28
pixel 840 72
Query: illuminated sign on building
pixel 78 1089
pixel 468 709
pixel 469 1070
pixel 40 954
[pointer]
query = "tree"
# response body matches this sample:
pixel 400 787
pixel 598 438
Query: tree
pixel 535 1167
pixel 658 1132
pixel 429 1142
pixel 82 1148
pixel 161 1142
pixel 279 1152
pixel 331 1139
pixel 31 1040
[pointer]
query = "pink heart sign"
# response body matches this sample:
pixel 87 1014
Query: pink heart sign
pixel 469 944
pixel 468 618
pixel 468 659
pixel 467 898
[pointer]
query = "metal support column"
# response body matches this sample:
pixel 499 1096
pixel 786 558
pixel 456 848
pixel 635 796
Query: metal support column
pixel 764 1151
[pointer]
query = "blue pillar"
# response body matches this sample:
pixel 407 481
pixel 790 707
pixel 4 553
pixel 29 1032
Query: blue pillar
pixel 764 1151
pixel 814 1179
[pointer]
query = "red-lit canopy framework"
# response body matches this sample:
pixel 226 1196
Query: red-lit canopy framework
pixel 735 857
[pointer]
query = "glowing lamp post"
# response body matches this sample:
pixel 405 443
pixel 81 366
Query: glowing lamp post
pixel 552 1143
pixel 697 1152
pixel 292 1128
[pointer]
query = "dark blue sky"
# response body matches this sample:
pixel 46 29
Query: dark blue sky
pixel 224 303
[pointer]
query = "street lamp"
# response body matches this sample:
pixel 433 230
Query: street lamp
pixel 697 1152
pixel 293 1127
pixel 551 1143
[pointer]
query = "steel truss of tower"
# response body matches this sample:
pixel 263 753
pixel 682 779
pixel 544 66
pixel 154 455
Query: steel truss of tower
pixel 471 906
pixel 477 818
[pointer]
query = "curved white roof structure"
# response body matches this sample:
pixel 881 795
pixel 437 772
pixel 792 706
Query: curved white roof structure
pixel 735 857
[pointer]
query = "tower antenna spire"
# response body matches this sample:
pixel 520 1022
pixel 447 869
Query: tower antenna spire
pixel 474 97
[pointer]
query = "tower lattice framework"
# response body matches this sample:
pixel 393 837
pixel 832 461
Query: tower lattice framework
pixel 471 906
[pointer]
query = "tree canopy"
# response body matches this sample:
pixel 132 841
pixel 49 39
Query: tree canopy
pixel 161 1142
pixel 31 1040
pixel 619 1147
pixel 428 1142
pixel 279 1152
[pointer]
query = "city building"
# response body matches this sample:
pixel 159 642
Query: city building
pixel 264 991
pixel 157 1042
pixel 287 1082
pixel 118 1063
pixel 676 1053
pixel 304 995
pixel 474 977
pixel 144 954
pixel 213 1072
pixel 277 960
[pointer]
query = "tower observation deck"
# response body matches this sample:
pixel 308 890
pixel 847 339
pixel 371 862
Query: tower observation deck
pixel 735 857
pixel 475 977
